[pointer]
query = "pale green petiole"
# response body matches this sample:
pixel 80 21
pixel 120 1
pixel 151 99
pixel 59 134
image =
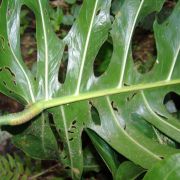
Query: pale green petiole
pixel 35 109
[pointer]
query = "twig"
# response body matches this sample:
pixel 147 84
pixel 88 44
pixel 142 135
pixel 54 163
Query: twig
pixel 43 172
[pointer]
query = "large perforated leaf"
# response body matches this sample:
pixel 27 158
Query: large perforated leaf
pixel 129 104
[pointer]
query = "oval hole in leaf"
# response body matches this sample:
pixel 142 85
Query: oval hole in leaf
pixel 166 11
pixel 10 71
pixel 172 103
pixel 95 115
pixel 67 167
pixel 98 12
pixel 56 16
pixel 63 66
pixel 144 50
pixel 103 59
pixel 62 22
pixel 28 37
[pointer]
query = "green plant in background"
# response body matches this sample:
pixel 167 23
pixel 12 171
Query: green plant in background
pixel 14 167
pixel 57 17
pixel 120 109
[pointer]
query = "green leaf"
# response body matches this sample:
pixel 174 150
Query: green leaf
pixel 108 155
pixel 168 169
pixel 128 170
pixel 39 141
pixel 12 167
pixel 121 95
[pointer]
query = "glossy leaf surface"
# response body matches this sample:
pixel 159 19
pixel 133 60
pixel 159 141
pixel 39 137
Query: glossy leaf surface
pixel 129 105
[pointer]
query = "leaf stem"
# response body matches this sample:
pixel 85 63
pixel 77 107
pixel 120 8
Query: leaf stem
pixel 35 109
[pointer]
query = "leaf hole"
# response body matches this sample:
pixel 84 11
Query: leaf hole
pixel 129 98
pixel 8 12
pixel 95 116
pixel 161 157
pixel 166 11
pixel 9 105
pixel 63 66
pixel 73 125
pixel 144 50
pixel 98 12
pixel 71 139
pixel 71 132
pixel 102 59
pixel 2 42
pixel 9 70
pixel 172 103
pixel 125 84
pixel 74 122
pixel 65 157
pixel 160 115
pixel 62 16
pixel 28 37
pixel 4 83
pixel 114 106
pixel 117 114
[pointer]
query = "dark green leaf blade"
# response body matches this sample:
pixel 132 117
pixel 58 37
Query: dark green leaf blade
pixel 108 155
pixel 128 171
pixel 167 169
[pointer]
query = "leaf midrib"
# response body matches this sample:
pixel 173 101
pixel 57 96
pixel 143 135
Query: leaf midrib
pixel 67 139
pixel 22 69
pixel 124 62
pixel 86 48
pixel 26 77
pixel 46 51
pixel 112 91
pixel 43 104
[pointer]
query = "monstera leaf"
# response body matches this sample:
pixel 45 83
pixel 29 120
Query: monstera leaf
pixel 131 116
